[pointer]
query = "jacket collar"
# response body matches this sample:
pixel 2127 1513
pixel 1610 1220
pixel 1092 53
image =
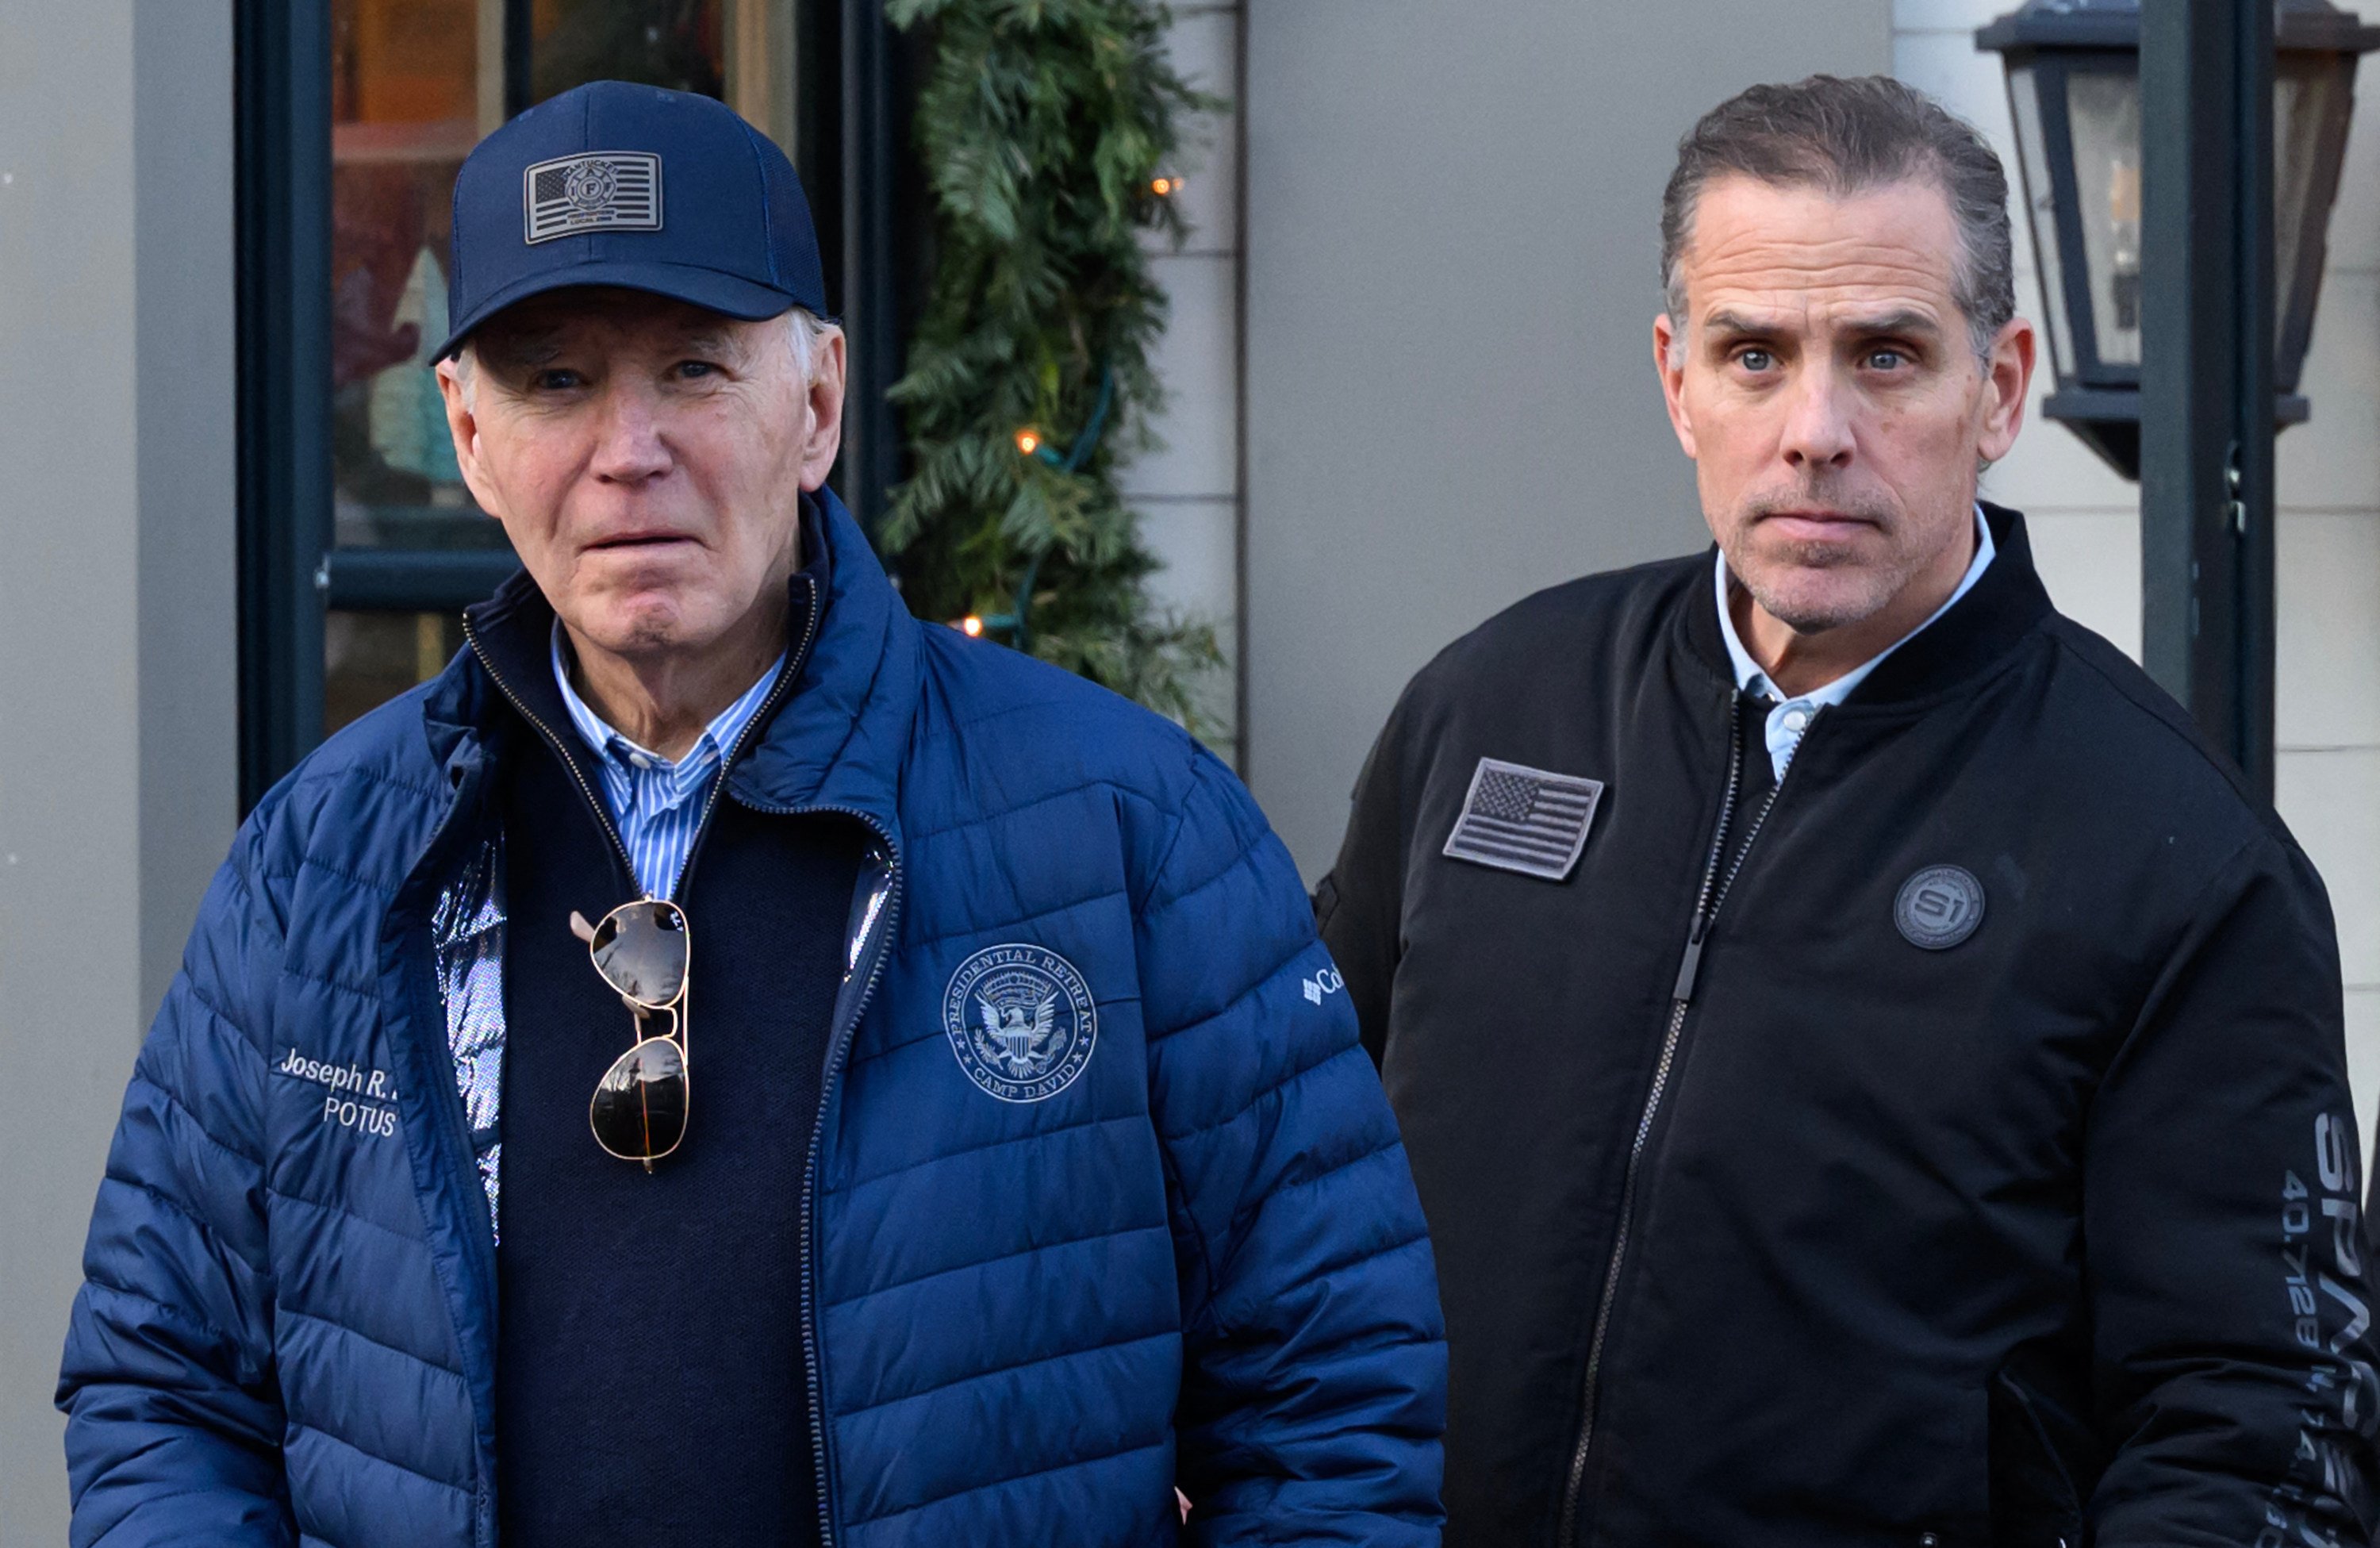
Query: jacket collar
pixel 842 729
pixel 1972 638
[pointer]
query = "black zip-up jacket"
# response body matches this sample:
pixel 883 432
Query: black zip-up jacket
pixel 2050 1235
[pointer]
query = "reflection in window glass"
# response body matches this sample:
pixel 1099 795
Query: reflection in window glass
pixel 405 108
pixel 2105 113
pixel 676 44
pixel 370 658
pixel 2303 88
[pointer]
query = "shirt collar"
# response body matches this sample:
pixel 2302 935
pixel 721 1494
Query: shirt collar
pixel 1751 679
pixel 611 746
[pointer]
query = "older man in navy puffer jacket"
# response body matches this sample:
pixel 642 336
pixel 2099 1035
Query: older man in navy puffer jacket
pixel 1002 1161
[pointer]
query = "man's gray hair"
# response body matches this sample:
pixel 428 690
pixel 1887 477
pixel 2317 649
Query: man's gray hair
pixel 1846 137
pixel 805 333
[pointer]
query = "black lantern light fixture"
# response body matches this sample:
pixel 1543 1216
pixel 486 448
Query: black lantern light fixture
pixel 2074 88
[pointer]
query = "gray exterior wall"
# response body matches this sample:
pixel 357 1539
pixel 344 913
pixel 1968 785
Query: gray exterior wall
pixel 1451 248
pixel 118 649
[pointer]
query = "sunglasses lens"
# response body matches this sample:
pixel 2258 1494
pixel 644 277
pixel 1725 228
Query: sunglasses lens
pixel 641 951
pixel 639 1113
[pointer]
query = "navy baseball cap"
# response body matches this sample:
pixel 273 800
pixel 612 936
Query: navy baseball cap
pixel 636 187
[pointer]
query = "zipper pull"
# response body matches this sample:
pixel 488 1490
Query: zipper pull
pixel 1692 965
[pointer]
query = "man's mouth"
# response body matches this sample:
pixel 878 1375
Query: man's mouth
pixel 654 538
pixel 1813 525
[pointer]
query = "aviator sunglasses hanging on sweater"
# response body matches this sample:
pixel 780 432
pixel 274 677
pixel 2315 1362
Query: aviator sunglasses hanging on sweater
pixel 643 950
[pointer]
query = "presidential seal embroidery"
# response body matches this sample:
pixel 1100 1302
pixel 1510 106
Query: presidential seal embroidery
pixel 1939 906
pixel 1021 1020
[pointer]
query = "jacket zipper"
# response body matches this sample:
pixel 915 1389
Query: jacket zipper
pixel 562 751
pixel 792 670
pixel 875 933
pixel 1714 891
pixel 418 958
pixel 795 661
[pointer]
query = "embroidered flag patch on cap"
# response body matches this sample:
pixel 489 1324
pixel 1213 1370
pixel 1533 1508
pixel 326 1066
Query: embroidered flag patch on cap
pixel 1516 818
pixel 609 190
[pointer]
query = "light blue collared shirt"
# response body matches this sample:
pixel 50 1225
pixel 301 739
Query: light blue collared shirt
pixel 657 805
pixel 1791 717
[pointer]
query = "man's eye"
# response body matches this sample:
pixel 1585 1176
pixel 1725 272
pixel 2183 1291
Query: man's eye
pixel 556 381
pixel 1754 359
pixel 1886 360
pixel 692 371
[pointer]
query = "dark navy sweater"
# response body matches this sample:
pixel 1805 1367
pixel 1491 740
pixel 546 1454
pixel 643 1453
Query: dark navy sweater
pixel 651 1383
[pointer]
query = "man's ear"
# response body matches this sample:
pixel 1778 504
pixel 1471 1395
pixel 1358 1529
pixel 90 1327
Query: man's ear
pixel 1669 364
pixel 2008 373
pixel 463 425
pixel 824 407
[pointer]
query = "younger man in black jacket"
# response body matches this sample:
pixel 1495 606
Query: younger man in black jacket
pixel 1872 1074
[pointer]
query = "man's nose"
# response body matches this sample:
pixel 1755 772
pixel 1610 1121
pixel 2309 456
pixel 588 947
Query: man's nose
pixel 1818 424
pixel 629 447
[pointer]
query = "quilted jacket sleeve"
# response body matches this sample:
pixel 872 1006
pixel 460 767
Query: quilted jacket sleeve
pixel 1314 1390
pixel 2221 1216
pixel 173 1419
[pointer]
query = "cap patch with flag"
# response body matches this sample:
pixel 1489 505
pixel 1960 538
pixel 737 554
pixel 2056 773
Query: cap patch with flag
pixel 603 190
pixel 1516 818
pixel 567 196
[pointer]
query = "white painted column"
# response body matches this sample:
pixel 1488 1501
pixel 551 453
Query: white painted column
pixel 1188 492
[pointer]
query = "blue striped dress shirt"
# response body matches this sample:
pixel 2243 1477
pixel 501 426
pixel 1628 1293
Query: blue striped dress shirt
pixel 657 805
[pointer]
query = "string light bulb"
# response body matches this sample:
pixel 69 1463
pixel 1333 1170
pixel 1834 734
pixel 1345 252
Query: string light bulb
pixel 972 626
pixel 1028 441
pixel 1165 187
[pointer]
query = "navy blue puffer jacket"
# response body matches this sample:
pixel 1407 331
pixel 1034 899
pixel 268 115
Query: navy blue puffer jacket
pixel 1199 1262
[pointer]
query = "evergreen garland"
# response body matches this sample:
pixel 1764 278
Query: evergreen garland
pixel 1048 131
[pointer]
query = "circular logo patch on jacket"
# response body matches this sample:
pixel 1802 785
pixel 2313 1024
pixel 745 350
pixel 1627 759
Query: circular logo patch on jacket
pixel 1021 1020
pixel 1939 906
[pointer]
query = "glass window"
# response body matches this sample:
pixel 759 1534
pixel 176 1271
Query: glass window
pixel 676 44
pixel 370 658
pixel 406 105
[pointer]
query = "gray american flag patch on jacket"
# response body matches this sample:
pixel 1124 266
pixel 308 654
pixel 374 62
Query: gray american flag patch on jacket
pixel 1516 818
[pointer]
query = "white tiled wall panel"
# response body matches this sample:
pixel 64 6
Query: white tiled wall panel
pixel 2077 550
pixel 2329 676
pixel 2051 469
pixel 2355 223
pixel 1945 63
pixel 2325 798
pixel 1198 542
pixel 2363 1054
pixel 1187 491
pixel 1197 359
pixel 2333 460
pixel 1205 50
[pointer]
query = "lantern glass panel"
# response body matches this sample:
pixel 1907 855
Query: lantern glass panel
pixel 2041 200
pixel 2309 92
pixel 2105 110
